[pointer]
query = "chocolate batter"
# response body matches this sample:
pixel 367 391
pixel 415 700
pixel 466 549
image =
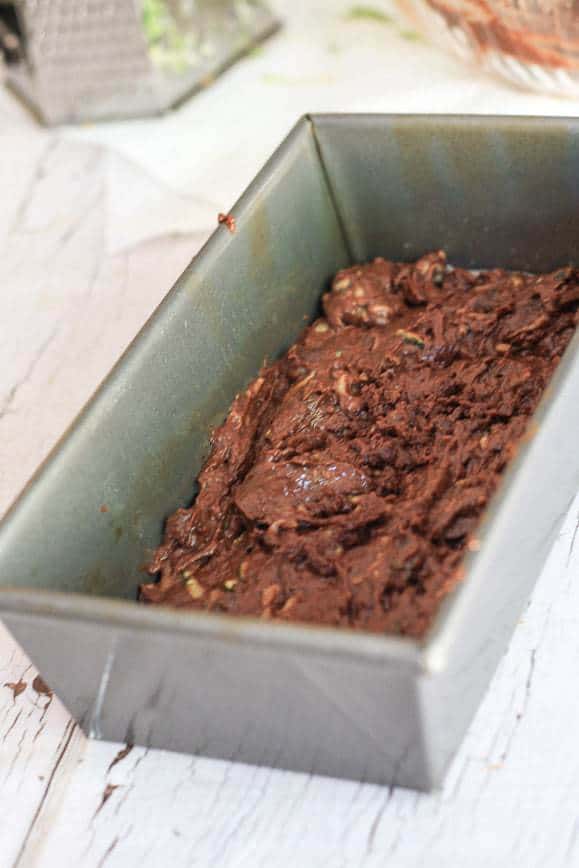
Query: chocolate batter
pixel 349 478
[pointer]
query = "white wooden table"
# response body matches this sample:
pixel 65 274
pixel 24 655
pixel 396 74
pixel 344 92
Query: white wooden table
pixel 67 309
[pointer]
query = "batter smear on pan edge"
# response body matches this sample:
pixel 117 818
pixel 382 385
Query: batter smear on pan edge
pixel 348 479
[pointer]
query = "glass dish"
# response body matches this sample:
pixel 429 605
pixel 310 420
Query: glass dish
pixel 534 44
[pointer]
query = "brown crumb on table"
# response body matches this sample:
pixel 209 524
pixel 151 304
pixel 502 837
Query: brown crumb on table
pixel 40 686
pixel 17 687
pixel 228 220
pixel 348 480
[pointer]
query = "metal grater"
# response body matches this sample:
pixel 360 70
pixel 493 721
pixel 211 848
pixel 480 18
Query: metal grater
pixel 85 60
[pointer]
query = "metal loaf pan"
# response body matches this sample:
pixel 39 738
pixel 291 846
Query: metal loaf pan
pixel 491 192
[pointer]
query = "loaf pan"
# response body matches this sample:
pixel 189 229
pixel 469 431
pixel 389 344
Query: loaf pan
pixel 340 189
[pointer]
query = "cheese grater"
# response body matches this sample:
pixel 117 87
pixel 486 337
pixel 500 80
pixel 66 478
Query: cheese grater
pixel 77 61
